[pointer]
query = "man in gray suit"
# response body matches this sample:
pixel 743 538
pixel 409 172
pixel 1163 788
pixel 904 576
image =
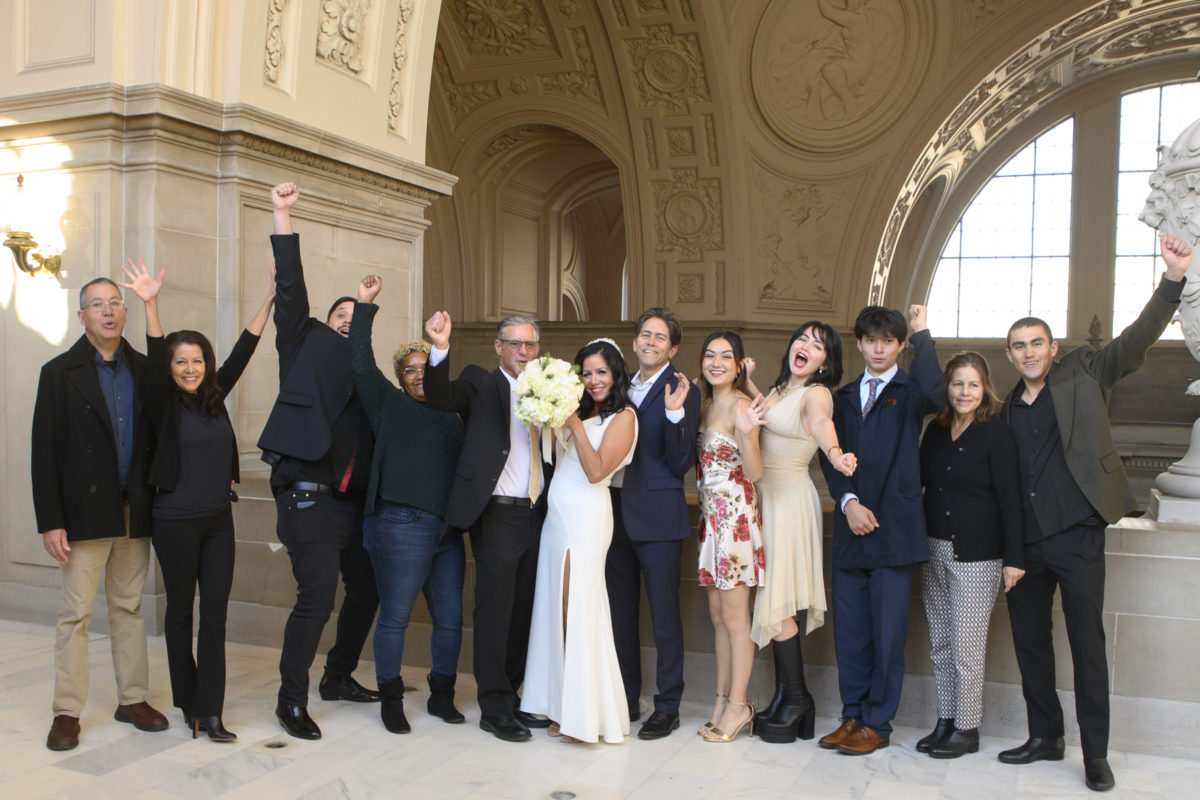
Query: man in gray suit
pixel 1072 486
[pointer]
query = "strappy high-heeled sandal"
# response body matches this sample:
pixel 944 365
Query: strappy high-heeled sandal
pixel 708 726
pixel 715 734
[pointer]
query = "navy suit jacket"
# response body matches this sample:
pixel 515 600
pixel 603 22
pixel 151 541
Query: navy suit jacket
pixel 888 478
pixel 653 503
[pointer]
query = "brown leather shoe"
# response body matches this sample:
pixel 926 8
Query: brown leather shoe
pixel 848 726
pixel 862 742
pixel 64 733
pixel 141 716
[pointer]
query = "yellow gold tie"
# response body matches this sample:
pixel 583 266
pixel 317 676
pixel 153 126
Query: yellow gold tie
pixel 535 465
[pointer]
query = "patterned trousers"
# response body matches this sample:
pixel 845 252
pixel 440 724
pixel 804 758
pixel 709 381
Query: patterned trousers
pixel 959 596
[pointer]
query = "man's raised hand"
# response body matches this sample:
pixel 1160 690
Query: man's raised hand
pixel 918 317
pixel 284 196
pixel 368 288
pixel 1177 255
pixel 141 280
pixel 673 398
pixel 437 328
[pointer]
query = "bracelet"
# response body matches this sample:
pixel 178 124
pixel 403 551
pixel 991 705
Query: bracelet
pixel 829 452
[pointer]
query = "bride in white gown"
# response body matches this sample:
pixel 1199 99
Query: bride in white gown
pixel 571 671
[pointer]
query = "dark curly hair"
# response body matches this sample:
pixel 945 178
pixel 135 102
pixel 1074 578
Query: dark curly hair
pixel 618 396
pixel 208 395
pixel 830 373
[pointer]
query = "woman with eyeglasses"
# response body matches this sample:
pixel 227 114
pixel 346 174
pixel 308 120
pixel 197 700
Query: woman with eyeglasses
pixel 194 466
pixel 412 550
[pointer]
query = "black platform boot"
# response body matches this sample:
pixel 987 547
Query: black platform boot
pixel 798 713
pixel 441 698
pixel 771 708
pixel 939 734
pixel 391 708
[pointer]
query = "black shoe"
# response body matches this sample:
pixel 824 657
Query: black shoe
pixel 391 707
pixel 771 708
pixel 1098 775
pixel 190 722
pixel 506 727
pixel 1034 749
pixel 296 721
pixel 940 732
pixel 957 744
pixel 635 709
pixel 530 721
pixel 797 714
pixel 660 724
pixel 216 729
pixel 441 698
pixel 344 687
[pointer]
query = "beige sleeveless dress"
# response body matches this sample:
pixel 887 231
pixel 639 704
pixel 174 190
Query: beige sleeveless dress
pixel 791 523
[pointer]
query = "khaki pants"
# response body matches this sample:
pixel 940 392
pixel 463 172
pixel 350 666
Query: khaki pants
pixel 123 562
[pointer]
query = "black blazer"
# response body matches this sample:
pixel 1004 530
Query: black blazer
pixel 484 399
pixel 163 404
pixel 315 384
pixel 76 480
pixel 972 491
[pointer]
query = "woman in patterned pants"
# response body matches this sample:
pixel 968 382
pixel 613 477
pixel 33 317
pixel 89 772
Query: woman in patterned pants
pixel 973 519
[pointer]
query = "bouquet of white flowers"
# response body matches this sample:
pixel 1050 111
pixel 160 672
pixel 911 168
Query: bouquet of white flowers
pixel 548 391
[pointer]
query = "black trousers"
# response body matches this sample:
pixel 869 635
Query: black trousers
pixel 191 553
pixel 317 529
pixel 1073 561
pixel 504 545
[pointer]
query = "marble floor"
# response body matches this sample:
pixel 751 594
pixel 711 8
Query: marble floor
pixel 358 759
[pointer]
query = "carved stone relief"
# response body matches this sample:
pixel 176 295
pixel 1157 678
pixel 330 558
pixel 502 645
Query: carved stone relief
pixel 340 36
pixel 710 140
pixel 651 149
pixel 399 58
pixel 689 287
pixel 510 139
pixel 668 69
pixel 688 214
pixel 463 98
pixel 619 10
pixel 680 142
pixel 500 28
pixel 798 228
pixel 1110 34
pixel 651 6
pixel 719 291
pixel 975 14
pixel 568 8
pixel 1173 206
pixel 583 83
pixel 273 49
pixel 837 65
pixel 660 283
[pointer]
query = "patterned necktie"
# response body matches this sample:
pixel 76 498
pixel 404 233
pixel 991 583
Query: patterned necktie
pixel 872 388
pixel 535 465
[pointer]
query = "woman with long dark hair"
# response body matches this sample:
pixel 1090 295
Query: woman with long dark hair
pixel 731 550
pixel 969 468
pixel 571 671
pixel 798 421
pixel 194 466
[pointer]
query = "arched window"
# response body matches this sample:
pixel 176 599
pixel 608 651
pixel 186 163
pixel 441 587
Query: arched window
pixel 1009 255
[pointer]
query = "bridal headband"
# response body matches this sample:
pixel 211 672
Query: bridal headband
pixel 607 340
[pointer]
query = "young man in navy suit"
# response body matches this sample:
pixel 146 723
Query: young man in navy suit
pixel 879 532
pixel 650 519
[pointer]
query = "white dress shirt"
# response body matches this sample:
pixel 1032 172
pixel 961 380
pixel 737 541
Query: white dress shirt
pixel 864 391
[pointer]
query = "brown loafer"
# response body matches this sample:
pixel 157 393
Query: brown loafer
pixel 848 726
pixel 141 716
pixel 64 733
pixel 862 742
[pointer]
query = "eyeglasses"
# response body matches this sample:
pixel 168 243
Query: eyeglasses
pixel 114 305
pixel 412 372
pixel 521 344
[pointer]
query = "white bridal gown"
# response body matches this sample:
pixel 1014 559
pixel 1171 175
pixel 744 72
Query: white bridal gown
pixel 576 683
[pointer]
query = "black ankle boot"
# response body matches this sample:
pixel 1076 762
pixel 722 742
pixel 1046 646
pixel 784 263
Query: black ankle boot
pixel 956 744
pixel 216 729
pixel 441 698
pixel 771 708
pixel 797 714
pixel 391 707
pixel 943 729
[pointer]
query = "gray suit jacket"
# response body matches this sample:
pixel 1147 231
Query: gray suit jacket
pixel 1080 384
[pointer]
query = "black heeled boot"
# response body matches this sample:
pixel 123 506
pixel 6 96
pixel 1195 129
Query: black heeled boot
pixel 391 708
pixel 939 734
pixel 214 726
pixel 958 743
pixel 441 698
pixel 798 713
pixel 771 708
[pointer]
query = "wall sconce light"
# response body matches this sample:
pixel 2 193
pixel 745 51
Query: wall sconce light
pixel 25 249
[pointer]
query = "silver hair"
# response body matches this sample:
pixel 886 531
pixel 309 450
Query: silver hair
pixel 94 282
pixel 517 319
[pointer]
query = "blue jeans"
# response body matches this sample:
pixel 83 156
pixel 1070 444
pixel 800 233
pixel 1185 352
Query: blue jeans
pixel 411 555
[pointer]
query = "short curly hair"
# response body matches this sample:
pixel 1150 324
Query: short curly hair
pixel 404 351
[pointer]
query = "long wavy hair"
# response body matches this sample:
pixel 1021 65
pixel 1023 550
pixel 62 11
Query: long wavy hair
pixel 830 373
pixel 618 396
pixel 739 357
pixel 208 395
pixel 988 407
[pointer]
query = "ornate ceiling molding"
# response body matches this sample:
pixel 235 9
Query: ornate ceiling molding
pixel 497 30
pixel 668 70
pixel 583 83
pixel 399 59
pixel 463 98
pixel 687 214
pixel 341 32
pixel 1104 38
pixel 273 47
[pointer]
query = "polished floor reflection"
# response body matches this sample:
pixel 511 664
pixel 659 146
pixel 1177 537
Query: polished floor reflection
pixel 358 759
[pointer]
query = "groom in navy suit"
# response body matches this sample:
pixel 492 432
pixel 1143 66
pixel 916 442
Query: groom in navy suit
pixel 650 519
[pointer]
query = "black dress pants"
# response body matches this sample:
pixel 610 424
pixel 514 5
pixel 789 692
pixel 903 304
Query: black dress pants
pixel 191 553
pixel 504 545
pixel 358 606
pixel 316 528
pixel 1073 561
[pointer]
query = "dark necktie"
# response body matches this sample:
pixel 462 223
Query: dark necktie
pixel 872 388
